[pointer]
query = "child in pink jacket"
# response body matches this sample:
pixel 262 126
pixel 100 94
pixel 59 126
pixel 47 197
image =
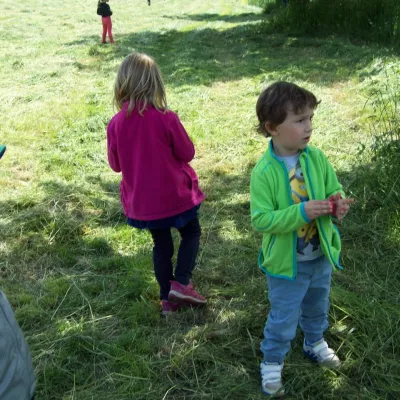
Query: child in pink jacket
pixel 104 10
pixel 159 189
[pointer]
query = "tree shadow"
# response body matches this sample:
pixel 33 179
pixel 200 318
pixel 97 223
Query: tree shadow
pixel 372 246
pixel 51 236
pixel 204 56
pixel 95 306
pixel 235 18
pixel 72 291
pixel 85 40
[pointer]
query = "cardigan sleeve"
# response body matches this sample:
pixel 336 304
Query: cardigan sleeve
pixel 182 146
pixel 265 217
pixel 113 159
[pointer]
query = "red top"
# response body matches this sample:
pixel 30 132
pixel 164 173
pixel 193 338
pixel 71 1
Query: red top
pixel 152 152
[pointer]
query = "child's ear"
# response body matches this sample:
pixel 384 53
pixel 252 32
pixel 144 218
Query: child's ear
pixel 271 128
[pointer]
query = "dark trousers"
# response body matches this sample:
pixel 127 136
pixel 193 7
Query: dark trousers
pixel 163 251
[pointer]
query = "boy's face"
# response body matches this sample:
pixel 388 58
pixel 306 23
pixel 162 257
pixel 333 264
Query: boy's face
pixel 293 134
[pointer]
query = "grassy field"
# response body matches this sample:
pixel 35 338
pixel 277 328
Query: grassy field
pixel 81 280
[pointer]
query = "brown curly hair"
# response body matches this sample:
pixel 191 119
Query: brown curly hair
pixel 275 100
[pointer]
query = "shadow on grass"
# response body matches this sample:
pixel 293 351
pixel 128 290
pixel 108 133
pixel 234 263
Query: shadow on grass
pixel 78 299
pixel 92 317
pixel 235 18
pixel 52 240
pixel 85 40
pixel 204 56
pixel 370 234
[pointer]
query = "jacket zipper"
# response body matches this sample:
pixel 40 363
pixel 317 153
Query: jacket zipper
pixel 271 244
pixel 319 225
pixel 289 189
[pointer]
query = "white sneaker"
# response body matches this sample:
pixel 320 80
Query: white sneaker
pixel 271 379
pixel 322 354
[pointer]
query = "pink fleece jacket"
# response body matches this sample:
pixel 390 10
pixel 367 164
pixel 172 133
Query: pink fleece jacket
pixel 152 152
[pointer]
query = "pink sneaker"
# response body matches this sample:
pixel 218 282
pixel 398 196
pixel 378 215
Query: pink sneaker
pixel 185 294
pixel 168 307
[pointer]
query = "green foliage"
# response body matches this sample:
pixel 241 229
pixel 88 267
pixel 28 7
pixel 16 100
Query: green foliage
pixel 376 20
pixel 384 150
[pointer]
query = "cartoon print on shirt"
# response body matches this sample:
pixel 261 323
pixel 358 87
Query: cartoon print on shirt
pixel 307 235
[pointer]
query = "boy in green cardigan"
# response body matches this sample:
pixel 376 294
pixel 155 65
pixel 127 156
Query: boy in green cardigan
pixel 294 192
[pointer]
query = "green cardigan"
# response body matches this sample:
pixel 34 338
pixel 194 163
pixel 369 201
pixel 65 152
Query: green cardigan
pixel 274 213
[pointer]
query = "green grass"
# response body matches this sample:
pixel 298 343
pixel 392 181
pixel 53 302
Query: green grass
pixel 81 280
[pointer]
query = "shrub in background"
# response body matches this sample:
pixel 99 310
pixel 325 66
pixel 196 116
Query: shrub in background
pixel 385 148
pixel 266 5
pixel 376 20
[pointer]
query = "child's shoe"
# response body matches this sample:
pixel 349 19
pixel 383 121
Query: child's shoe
pixel 168 307
pixel 271 379
pixel 185 294
pixel 322 354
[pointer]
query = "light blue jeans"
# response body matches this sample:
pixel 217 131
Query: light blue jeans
pixel 304 300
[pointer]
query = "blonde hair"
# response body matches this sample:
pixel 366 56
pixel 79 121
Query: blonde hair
pixel 139 82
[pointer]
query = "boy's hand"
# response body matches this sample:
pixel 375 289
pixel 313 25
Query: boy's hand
pixel 316 208
pixel 341 206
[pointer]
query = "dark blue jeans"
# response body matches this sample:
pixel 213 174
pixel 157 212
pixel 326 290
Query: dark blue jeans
pixel 163 251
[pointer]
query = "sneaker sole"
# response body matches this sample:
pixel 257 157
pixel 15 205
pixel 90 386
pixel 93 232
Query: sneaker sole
pixel 166 313
pixel 179 297
pixel 277 394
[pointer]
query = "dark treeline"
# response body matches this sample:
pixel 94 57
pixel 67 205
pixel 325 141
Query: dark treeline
pixel 371 20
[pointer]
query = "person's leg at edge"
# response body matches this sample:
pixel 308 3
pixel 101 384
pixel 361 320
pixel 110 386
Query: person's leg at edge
pixel 315 305
pixel 110 35
pixel 104 22
pixel 163 250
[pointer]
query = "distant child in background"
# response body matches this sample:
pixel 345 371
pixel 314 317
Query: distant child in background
pixel 104 10
pixel 294 193
pixel 159 189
